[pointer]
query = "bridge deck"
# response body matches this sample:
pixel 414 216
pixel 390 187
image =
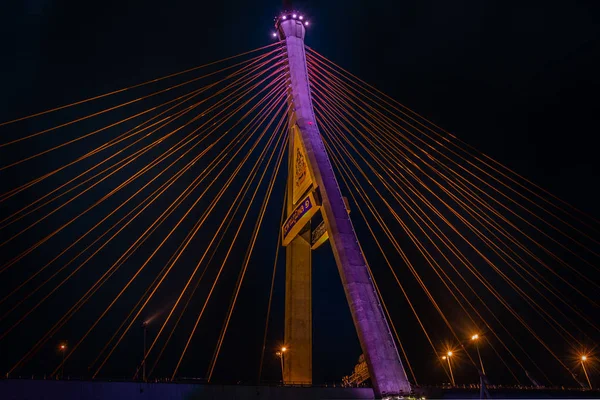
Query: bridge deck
pixel 19 389
pixel 31 389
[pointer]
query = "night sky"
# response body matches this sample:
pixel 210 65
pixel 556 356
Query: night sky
pixel 518 81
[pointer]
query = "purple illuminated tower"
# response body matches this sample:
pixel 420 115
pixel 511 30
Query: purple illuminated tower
pixel 385 367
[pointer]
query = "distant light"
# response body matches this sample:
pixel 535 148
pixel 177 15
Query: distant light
pixel 284 17
pixel 583 358
pixel 474 337
pixel 283 349
pixel 306 23
pixel 449 354
pixel 301 18
pixel 444 357
pixel 294 16
pixel 274 34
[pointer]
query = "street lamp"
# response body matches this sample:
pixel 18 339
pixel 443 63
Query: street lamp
pixel 447 358
pixel 63 349
pixel 145 328
pixel 584 358
pixel 475 338
pixel 280 355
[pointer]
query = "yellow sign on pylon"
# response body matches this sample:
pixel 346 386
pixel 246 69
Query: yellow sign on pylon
pixel 302 213
pixel 302 178
pixel 319 234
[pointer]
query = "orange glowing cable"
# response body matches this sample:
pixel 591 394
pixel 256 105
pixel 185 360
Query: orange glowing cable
pixel 214 283
pixel 179 173
pixel 207 111
pixel 440 144
pixel 152 254
pixel 541 342
pixel 200 262
pixel 494 249
pixel 180 251
pixel 250 249
pixel 241 194
pixel 137 85
pixel 389 317
pixel 336 161
pixel 380 220
pixel 573 338
pixel 98 130
pixel 130 134
pixel 435 304
pixel 162 157
pixel 471 197
pixel 367 86
pixel 161 280
pixel 571 285
pixel 474 206
pixel 135 176
pixel 269 106
pixel 384 117
pixel 268 315
pixel 375 119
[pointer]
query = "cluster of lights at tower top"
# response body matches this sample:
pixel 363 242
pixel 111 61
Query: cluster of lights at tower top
pixel 295 16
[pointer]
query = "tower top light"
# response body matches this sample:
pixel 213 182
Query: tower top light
pixel 290 17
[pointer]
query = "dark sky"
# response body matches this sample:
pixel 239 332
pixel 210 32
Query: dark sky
pixel 517 80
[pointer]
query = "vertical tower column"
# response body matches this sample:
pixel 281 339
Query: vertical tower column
pixel 385 367
pixel 297 359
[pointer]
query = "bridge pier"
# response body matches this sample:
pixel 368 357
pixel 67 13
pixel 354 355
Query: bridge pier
pixel 297 359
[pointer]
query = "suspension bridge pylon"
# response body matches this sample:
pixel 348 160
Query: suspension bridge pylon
pixel 312 186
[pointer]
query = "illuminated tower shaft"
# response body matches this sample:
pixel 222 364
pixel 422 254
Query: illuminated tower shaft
pixel 385 367
pixel 297 359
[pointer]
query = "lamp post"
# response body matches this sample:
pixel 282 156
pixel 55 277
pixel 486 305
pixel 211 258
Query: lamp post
pixel 583 360
pixel 145 328
pixel 475 338
pixel 63 349
pixel 280 355
pixel 447 358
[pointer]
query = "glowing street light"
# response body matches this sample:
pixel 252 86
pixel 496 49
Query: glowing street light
pixel 280 355
pixel 447 358
pixel 584 358
pixel 63 349
pixel 145 330
pixel 475 338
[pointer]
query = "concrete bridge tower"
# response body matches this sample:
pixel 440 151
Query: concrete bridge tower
pixel 312 186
